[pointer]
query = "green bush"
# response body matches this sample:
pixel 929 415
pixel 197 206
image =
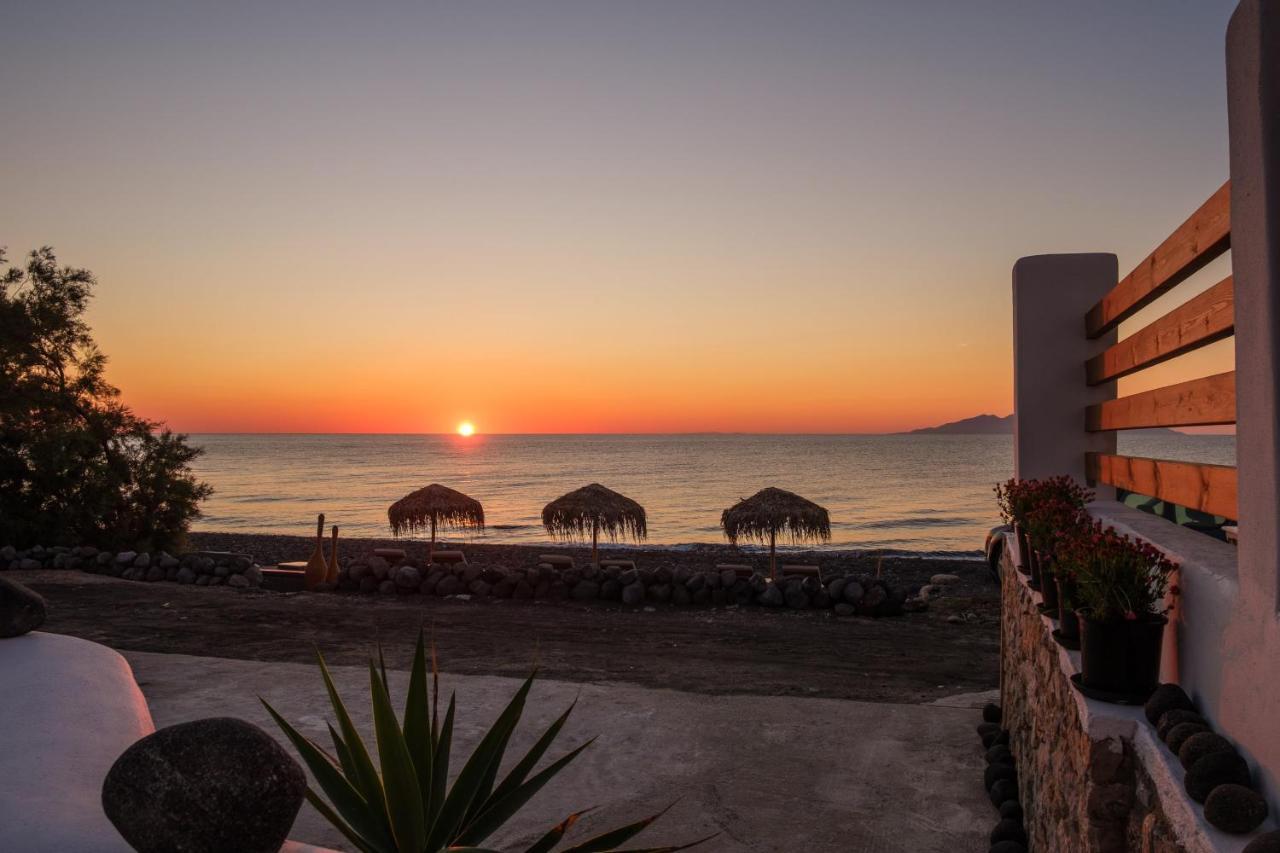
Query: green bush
pixel 409 807
pixel 76 465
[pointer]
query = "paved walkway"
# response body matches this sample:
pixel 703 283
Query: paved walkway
pixel 767 773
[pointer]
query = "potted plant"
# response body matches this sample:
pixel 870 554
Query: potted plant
pixel 1014 498
pixel 1071 550
pixel 1121 585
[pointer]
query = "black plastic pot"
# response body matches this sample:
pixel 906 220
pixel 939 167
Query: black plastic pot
pixel 1048 588
pixel 1121 658
pixel 1068 623
pixel 1034 583
pixel 1024 550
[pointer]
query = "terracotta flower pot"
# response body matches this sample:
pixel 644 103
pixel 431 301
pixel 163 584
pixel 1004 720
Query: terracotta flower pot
pixel 1121 657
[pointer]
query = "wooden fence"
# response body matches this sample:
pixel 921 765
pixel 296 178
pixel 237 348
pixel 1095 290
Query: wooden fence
pixel 1200 321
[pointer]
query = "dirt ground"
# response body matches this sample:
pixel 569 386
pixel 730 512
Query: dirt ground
pixel 952 648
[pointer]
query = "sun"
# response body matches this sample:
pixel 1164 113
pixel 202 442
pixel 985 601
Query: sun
pixel 466 429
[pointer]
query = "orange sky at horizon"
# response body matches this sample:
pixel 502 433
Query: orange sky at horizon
pixel 566 217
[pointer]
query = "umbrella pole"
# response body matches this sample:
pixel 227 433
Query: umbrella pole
pixel 773 566
pixel 595 552
pixel 431 547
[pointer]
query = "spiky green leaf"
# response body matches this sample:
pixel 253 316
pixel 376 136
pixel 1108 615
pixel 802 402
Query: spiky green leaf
pixel 610 840
pixel 417 725
pixel 553 835
pixel 399 778
pixel 366 779
pixel 326 812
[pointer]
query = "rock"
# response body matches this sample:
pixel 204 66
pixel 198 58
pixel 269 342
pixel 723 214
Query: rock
pixel 557 591
pixel 1007 847
pixel 1009 830
pixel 368 584
pixel 586 590
pixel 479 588
pixel 167 560
pixel 1166 698
pixel 1235 809
pixel 387 587
pixel 1178 735
pixel 1174 718
pixel 407 577
pixel 155 573
pixel 987 727
pixel 104 558
pixel 995 772
pixel 915 605
pixel 660 593
pixel 845 609
pixel 796 597
pixel 253 575
pixel 492 575
pixel 8 554
pixel 209 785
pixel 727 578
pixel 629 577
pixel 27 564
pixel 873 601
pixel 185 575
pixel 610 589
pixel 220 571
pixel 944 579
pixel 1002 791
pixel 991 712
pixel 523 590
pixel 663 574
pixel 772 596
pixel 1268 842
pixel 1199 745
pixel 21 609
pixel 695 582
pixel 680 594
pixel 571 577
pixel 378 565
pixel 1214 769
pixel 820 600
pixel 632 593
pixel 503 588
pixel 1012 810
pixel 126 558
pixel 449 585
pixel 237 581
pixel 929 592
pixel 853 592
pixel 999 754
pixel 142 561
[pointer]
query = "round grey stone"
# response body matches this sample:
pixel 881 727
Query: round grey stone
pixel 204 786
pixel 21 609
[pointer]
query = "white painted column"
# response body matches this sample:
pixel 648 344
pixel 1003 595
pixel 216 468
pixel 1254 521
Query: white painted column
pixel 1051 295
pixel 1249 706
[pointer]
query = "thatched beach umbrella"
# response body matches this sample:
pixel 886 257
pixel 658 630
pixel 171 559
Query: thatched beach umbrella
pixel 597 509
pixel 772 511
pixel 434 506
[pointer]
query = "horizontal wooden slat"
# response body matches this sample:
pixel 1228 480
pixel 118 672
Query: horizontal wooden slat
pixel 1207 318
pixel 1203 237
pixel 1207 488
pixel 1200 402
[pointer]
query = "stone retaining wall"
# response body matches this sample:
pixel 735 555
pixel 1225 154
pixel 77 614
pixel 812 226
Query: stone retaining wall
pixel 202 568
pixel 1090 776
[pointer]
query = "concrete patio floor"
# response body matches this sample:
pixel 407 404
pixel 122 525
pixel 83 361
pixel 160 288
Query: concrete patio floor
pixel 766 773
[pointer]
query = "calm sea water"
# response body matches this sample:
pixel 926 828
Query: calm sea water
pixel 912 492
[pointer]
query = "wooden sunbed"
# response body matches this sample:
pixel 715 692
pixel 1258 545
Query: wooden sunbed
pixel 622 564
pixel 559 561
pixel 391 555
pixel 449 557
pixel 286 577
pixel 742 570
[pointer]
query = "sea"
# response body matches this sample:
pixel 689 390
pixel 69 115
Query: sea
pixel 919 493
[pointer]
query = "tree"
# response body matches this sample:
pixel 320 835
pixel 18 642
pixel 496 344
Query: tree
pixel 77 466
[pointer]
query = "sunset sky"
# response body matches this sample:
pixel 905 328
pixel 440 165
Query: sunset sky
pixel 594 216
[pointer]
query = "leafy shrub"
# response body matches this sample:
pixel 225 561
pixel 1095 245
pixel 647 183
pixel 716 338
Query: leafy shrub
pixel 76 465
pixel 1116 577
pixel 409 806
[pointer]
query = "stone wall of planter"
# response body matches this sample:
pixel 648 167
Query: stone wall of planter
pixel 1090 775
pixel 201 568
pixel 847 596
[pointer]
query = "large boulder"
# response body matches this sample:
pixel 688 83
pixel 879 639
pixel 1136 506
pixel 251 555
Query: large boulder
pixel 205 786
pixel 21 609
pixel 1235 808
pixel 632 593
pixel 1214 769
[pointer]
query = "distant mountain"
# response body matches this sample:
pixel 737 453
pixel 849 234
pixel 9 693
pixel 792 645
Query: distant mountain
pixel 995 425
pixel 978 425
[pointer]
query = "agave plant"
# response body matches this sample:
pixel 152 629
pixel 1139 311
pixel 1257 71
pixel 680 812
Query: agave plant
pixel 409 807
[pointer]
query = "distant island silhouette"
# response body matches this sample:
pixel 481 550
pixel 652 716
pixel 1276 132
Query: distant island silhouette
pixel 996 425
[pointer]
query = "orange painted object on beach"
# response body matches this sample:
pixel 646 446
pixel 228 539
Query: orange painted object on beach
pixel 331 576
pixel 317 570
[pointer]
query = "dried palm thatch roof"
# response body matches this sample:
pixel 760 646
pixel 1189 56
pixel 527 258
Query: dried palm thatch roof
pixel 592 508
pixel 436 503
pixel 773 511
